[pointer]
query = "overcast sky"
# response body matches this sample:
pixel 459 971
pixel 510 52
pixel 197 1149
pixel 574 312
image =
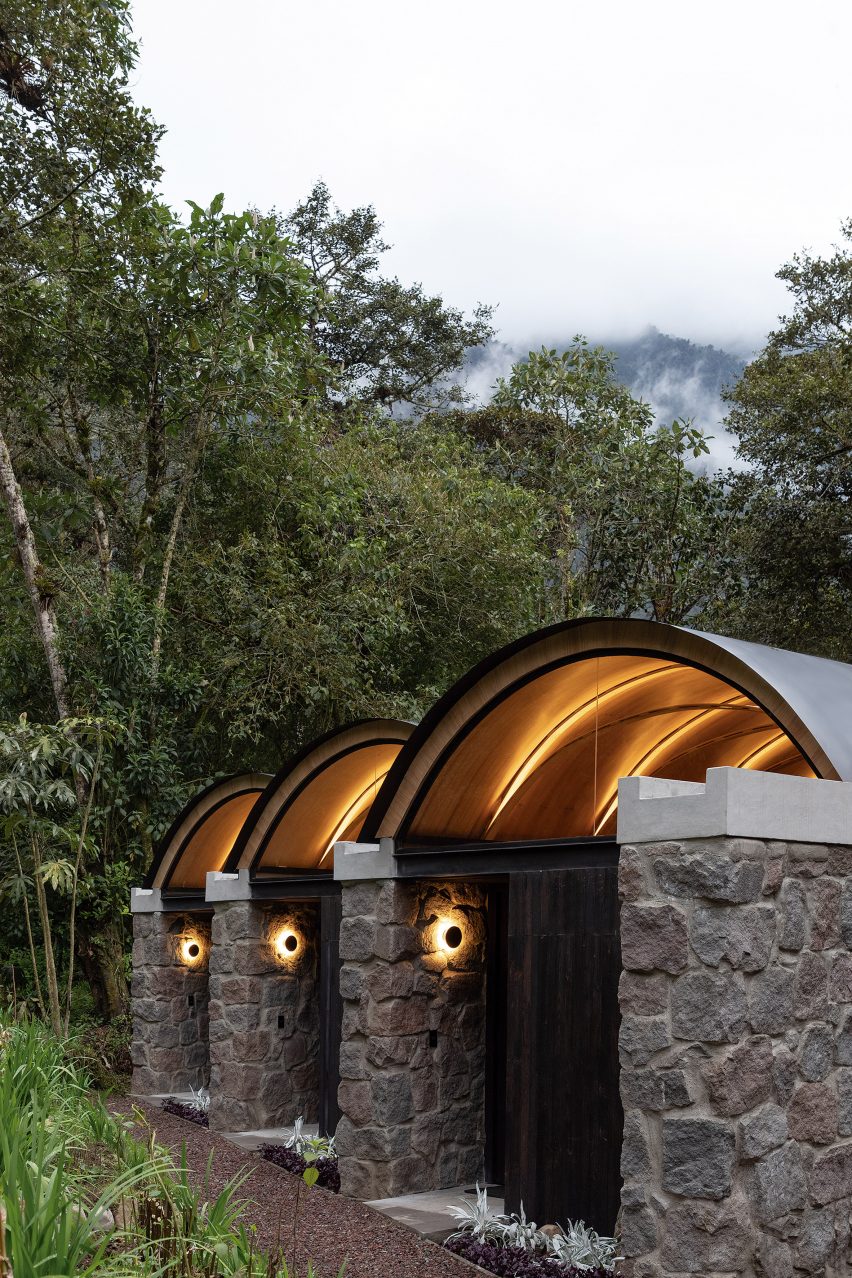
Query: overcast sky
pixel 593 167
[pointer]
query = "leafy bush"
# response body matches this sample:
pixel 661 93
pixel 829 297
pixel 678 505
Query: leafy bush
pixel 103 1052
pixel 304 1143
pixel 301 1151
pixel 52 1224
pixel 188 1110
pixel 70 1170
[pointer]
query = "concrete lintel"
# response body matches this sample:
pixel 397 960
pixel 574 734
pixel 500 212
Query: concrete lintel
pixel 736 802
pixel 146 900
pixel 227 887
pixel 359 861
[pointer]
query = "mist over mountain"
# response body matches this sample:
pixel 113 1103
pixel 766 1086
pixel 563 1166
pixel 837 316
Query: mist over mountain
pixel 678 378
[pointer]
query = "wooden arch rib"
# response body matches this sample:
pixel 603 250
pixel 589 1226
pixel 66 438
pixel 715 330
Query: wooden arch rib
pixel 318 798
pixel 203 834
pixel 531 743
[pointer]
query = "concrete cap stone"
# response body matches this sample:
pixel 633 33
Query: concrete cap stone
pixel 145 900
pixel 735 802
pixel 227 887
pixel 360 861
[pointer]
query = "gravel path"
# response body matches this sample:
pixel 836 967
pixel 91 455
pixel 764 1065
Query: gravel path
pixel 332 1229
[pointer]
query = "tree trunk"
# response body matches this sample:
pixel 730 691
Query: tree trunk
pixel 47 941
pixel 35 578
pixel 101 955
pixel 171 544
pixel 29 927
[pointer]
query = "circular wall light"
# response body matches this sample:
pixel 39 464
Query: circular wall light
pixel 451 937
pixel 286 944
pixel 190 950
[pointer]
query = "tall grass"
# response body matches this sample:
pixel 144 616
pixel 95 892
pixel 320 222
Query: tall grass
pixel 81 1196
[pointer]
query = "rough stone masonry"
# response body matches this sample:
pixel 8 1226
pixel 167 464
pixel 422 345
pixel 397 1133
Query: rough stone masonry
pixel 169 1004
pixel 412 1059
pixel 264 1017
pixel 736 1054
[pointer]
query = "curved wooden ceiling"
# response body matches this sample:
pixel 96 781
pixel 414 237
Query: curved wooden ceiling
pixel 319 798
pixel 205 832
pixel 532 742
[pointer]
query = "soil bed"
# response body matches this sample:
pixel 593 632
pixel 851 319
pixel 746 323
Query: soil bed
pixel 332 1229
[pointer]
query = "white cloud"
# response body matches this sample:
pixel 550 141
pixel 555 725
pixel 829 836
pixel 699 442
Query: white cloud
pixel 589 166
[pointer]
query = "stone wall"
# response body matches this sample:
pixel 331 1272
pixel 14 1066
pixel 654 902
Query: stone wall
pixel 736 1052
pixel 264 1016
pixel 412 1056
pixel 169 992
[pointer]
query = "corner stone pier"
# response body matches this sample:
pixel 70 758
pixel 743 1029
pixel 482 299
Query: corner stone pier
pixel 170 1049
pixel 264 1016
pixel 736 1037
pixel 412 1059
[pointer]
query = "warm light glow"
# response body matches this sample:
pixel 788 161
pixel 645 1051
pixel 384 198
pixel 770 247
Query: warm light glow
pixel 645 765
pixel 358 808
pixel 212 835
pixel 544 759
pixel 450 935
pixel 324 798
pixel 750 759
pixel 191 950
pixel 550 741
pixel 287 944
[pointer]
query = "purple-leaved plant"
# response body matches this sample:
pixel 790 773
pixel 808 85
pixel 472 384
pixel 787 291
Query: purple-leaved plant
pixel 281 1156
pixel 187 1109
pixel 514 1262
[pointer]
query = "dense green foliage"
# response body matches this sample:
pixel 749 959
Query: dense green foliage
pixel 248 502
pixel 792 414
pixel 80 1194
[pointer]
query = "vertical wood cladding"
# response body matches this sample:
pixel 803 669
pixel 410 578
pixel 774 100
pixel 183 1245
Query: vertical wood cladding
pixel 563 1114
pixel 330 1013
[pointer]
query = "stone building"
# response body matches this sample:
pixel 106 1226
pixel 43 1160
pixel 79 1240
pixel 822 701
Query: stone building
pixel 584 932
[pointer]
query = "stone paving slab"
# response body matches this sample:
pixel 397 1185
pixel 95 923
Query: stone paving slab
pixel 266 1136
pixel 429 1212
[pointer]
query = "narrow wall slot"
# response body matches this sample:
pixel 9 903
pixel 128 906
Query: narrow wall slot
pixel 433 1038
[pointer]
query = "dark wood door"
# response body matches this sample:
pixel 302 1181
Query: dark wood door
pixel 495 1034
pixel 330 1011
pixel 563 1112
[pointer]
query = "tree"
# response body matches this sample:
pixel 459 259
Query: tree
pixel 792 408
pixel 360 571
pixel 391 344
pixel 178 333
pixel 128 339
pixel 630 528
pixel 45 837
pixel 75 147
pixel 791 412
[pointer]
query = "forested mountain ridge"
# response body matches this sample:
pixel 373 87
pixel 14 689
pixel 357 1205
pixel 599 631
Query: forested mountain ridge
pixel 677 377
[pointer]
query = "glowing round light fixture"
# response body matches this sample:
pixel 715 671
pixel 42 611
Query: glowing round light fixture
pixel 286 943
pixel 451 936
pixel 190 950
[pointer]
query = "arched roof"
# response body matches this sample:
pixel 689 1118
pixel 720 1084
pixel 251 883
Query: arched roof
pixel 318 798
pixel 531 743
pixel 203 833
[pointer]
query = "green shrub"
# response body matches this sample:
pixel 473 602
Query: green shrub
pixel 103 1051
pixel 82 1197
